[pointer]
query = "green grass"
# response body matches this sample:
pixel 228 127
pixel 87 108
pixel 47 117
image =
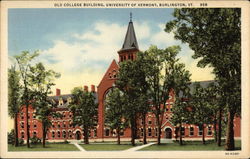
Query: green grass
pixel 49 147
pixel 190 146
pixel 105 147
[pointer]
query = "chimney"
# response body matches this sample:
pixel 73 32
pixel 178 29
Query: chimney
pixel 58 92
pixel 86 88
pixel 92 88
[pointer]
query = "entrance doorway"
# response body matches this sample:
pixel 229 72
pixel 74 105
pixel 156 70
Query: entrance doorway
pixel 78 135
pixel 168 133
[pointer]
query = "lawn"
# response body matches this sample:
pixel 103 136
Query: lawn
pixel 49 147
pixel 105 147
pixel 190 146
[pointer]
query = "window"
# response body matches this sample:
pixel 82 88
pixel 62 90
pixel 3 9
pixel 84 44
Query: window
pixel 34 115
pixel 64 124
pixel 70 115
pixel 166 109
pixel 22 125
pixel 209 130
pixel 22 135
pixel 34 134
pixel 191 131
pixel 121 132
pixel 142 122
pixel 34 125
pixel 95 132
pixel 58 134
pixel 200 130
pixel 141 131
pixel 182 131
pixel 64 134
pixel 149 122
pixel 149 131
pixel 53 134
pixel 53 126
pixel 106 132
pixel 58 125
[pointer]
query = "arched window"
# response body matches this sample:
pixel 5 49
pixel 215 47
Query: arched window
pixel 58 134
pixel 106 132
pixel 64 134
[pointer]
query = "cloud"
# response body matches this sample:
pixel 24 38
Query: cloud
pixel 83 58
pixel 164 39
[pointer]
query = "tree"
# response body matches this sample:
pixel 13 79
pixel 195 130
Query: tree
pixel 127 83
pixel 179 80
pixel 132 81
pixel 24 63
pixel 84 109
pixel 41 79
pixel 201 112
pixel 14 95
pixel 215 103
pixel 215 36
pixel 164 76
pixel 115 111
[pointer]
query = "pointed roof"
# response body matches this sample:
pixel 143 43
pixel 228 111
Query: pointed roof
pixel 130 41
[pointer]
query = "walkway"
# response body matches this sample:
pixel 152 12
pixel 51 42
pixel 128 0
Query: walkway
pixel 75 142
pixel 139 147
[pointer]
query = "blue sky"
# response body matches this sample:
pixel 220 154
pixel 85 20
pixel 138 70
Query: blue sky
pixel 81 43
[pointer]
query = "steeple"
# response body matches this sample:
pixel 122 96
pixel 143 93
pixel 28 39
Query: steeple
pixel 130 45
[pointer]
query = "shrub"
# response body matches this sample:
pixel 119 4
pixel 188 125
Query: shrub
pixel 20 141
pixel 11 137
pixel 66 142
pixel 35 140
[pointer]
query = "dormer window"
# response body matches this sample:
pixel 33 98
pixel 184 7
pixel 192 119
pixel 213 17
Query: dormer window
pixel 60 101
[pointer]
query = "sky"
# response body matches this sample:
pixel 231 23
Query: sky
pixel 81 43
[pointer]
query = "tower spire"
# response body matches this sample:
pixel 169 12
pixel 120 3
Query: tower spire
pixel 130 46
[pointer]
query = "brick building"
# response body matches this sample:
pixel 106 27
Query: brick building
pixel 63 129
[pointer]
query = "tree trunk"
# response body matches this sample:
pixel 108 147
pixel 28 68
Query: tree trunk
pixel 27 125
pixel 230 131
pixel 215 128
pixel 176 133
pixel 144 129
pixel 86 135
pixel 16 131
pixel 133 132
pixel 219 128
pixel 203 134
pixel 118 136
pixel 181 143
pixel 159 130
pixel 44 134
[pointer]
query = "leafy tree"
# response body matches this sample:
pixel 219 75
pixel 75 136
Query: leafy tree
pixel 215 36
pixel 127 83
pixel 115 111
pixel 14 95
pixel 84 109
pixel 179 81
pixel 164 76
pixel 201 111
pixel 41 79
pixel 132 81
pixel 24 63
pixel 215 102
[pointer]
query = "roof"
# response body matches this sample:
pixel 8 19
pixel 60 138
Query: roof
pixel 65 97
pixel 130 41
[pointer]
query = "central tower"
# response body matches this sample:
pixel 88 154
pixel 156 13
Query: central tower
pixel 130 45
